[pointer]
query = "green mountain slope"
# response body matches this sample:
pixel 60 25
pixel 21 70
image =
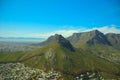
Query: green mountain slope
pixel 59 57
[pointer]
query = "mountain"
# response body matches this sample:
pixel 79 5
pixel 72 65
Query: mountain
pixel 90 38
pixel 59 39
pixel 95 42
pixel 114 39
pixel 89 52
pixel 58 54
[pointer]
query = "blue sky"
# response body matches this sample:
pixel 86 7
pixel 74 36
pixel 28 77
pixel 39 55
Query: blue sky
pixel 42 18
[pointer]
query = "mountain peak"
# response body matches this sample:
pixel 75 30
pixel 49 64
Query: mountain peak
pixel 90 38
pixel 95 32
pixel 60 40
pixel 57 37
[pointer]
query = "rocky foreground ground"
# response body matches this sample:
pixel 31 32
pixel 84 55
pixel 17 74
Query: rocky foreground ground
pixel 18 71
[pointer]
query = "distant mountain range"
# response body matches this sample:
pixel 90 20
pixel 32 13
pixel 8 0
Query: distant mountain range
pixel 88 51
pixel 27 38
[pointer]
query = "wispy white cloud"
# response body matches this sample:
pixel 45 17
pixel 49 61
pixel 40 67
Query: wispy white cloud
pixel 65 33
pixel 68 31
pixel 106 29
